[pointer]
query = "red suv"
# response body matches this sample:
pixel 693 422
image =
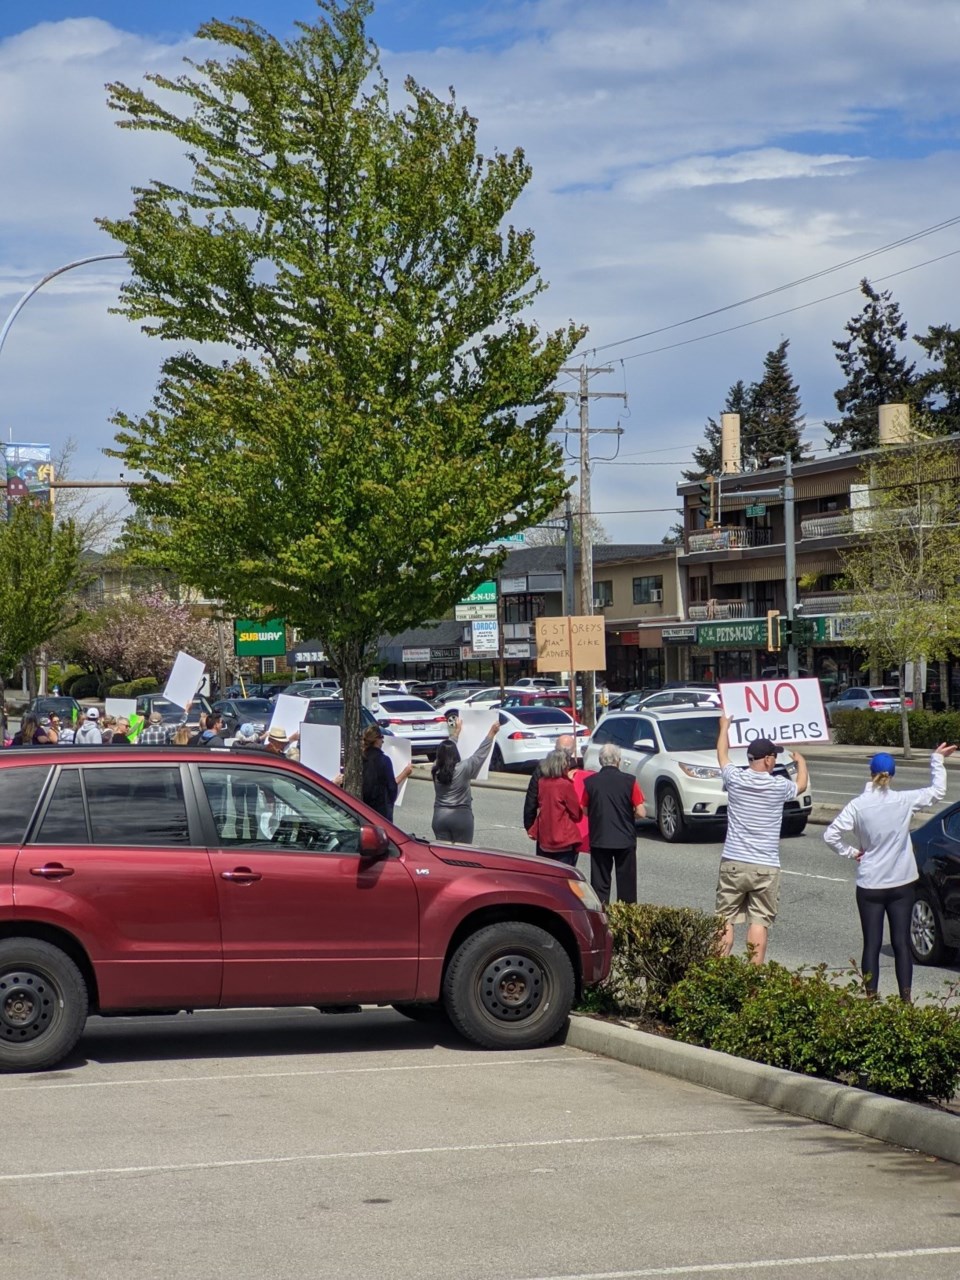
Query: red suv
pixel 139 879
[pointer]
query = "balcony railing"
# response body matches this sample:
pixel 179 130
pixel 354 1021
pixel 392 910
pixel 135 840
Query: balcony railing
pixel 732 538
pixel 717 609
pixel 827 526
pixel 826 602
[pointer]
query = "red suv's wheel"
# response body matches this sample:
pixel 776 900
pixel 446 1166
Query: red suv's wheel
pixel 43 1005
pixel 509 986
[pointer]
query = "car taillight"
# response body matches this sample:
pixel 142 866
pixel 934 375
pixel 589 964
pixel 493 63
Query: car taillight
pixel 876 705
pixel 393 722
pixel 438 720
pixel 517 734
pixel 908 702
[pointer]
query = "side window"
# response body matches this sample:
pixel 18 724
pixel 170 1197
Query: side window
pixel 601 733
pixel 64 821
pixel 951 826
pixel 136 805
pixel 644 729
pixel 19 792
pixel 256 807
pixel 622 734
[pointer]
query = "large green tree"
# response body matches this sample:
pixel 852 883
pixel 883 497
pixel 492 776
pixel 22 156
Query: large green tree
pixel 41 572
pixel 876 373
pixel 939 385
pixel 903 572
pixel 774 418
pixel 389 412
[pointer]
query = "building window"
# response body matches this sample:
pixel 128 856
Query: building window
pixel 698 590
pixel 269 666
pixel 648 590
pixel 602 594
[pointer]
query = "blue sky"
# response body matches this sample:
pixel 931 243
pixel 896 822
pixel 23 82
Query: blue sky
pixel 687 154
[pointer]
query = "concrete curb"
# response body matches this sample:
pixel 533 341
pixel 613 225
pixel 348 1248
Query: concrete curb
pixel 902 1124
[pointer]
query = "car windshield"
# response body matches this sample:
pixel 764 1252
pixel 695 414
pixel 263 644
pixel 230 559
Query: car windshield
pixel 327 711
pixel 254 706
pixel 538 715
pixel 692 733
pixel 168 710
pixel 55 706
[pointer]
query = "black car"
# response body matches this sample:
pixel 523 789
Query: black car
pixel 168 711
pixel 68 709
pixel 935 921
pixel 330 711
pixel 238 711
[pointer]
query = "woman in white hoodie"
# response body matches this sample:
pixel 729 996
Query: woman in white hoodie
pixel 874 828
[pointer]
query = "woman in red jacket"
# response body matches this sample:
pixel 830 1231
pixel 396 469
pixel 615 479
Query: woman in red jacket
pixel 558 835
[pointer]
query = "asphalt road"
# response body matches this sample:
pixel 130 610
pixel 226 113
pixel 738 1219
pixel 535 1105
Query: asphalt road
pixel 818 919
pixel 286 1145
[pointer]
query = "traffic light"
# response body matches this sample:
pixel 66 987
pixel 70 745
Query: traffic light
pixel 774 630
pixel 707 501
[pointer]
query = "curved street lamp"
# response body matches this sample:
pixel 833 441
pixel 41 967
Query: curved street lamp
pixel 80 262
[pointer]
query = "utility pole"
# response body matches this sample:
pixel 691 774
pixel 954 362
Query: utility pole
pixel 790 564
pixel 584 396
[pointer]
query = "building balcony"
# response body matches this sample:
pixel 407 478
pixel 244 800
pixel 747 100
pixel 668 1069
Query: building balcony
pixel 827 526
pixel 819 602
pixel 718 609
pixel 731 538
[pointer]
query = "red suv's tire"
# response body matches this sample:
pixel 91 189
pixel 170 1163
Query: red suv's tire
pixel 509 986
pixel 43 1005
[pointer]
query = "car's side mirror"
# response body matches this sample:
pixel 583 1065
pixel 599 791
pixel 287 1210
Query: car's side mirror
pixel 374 842
pixel 645 744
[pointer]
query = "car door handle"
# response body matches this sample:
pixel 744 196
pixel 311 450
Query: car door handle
pixel 241 875
pixel 52 871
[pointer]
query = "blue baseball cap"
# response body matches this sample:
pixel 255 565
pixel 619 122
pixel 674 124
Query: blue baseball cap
pixel 883 762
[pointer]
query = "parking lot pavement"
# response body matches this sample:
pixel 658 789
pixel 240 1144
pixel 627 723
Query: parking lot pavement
pixel 291 1144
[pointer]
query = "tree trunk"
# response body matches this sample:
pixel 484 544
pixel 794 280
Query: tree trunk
pixel 349 663
pixel 904 721
pixel 30 666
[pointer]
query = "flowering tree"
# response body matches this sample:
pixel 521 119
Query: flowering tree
pixel 141 637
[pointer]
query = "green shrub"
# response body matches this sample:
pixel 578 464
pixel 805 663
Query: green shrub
pixel 653 947
pixel 883 729
pixel 803 1021
pixel 134 688
pixel 85 686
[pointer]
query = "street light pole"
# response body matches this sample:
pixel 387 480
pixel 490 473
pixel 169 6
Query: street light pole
pixel 790 564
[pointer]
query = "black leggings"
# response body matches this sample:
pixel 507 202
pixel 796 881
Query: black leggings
pixel 897 905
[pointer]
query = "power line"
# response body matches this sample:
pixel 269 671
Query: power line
pixel 768 293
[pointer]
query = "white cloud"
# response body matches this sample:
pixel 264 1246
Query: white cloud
pixel 686 154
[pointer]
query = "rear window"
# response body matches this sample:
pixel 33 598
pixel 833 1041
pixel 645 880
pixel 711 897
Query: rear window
pixel 540 715
pixel 405 704
pixel 884 693
pixel 19 792
pixel 327 712
pixel 692 733
pixel 254 706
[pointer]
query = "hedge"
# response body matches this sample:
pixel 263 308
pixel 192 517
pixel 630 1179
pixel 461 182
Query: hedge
pixel 883 729
pixel 134 688
pixel 85 686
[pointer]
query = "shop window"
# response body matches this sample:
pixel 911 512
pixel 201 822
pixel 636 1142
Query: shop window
pixel 648 590
pixel 602 594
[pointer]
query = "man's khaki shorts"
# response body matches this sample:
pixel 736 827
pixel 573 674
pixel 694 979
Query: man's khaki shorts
pixel 748 891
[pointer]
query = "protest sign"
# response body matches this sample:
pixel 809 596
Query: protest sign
pixel 476 725
pixel 785 711
pixel 184 680
pixel 122 708
pixel 320 748
pixel 288 713
pixel 399 751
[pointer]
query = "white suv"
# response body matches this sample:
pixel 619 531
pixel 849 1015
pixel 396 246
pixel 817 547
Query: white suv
pixel 673 754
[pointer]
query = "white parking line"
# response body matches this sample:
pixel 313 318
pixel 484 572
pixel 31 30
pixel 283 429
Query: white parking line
pixel 809 875
pixel 760 1264
pixel 330 1156
pixel 499 1063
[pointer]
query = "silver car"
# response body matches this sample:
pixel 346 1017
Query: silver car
pixel 863 698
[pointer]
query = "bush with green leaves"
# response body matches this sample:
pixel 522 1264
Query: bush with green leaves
pixel 805 1021
pixel 653 947
pixel 134 688
pixel 85 686
pixel 883 729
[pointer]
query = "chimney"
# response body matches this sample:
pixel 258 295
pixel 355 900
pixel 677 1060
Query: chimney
pixel 895 424
pixel 730 444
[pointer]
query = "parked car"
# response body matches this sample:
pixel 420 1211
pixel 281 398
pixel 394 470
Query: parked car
pixel 673 753
pixel 69 710
pixel 935 919
pixel 481 699
pixel 628 698
pixel 203 879
pixel 169 712
pixel 428 689
pixel 537 682
pixel 678 698
pixel 238 711
pixel 330 711
pixel 527 734
pixel 875 698
pixel 312 688
pixel 415 719
pixel 558 697
pixel 458 689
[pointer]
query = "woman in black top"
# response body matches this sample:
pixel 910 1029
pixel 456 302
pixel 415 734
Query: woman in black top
pixel 380 787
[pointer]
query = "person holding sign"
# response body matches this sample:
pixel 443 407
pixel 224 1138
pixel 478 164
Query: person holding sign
pixel 876 824
pixel 748 886
pixel 452 798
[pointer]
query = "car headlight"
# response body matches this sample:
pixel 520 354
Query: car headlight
pixel 584 891
pixel 791 768
pixel 700 771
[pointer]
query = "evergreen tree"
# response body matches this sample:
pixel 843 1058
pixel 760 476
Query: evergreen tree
pixel 708 457
pixel 774 420
pixel 939 387
pixel 875 370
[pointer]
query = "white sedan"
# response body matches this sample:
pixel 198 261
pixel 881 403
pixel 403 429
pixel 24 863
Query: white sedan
pixel 414 719
pixel 528 734
pixel 481 698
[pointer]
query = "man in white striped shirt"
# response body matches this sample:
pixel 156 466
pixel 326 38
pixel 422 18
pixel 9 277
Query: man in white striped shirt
pixel 748 887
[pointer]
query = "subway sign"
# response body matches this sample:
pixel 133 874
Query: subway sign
pixel 259 639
